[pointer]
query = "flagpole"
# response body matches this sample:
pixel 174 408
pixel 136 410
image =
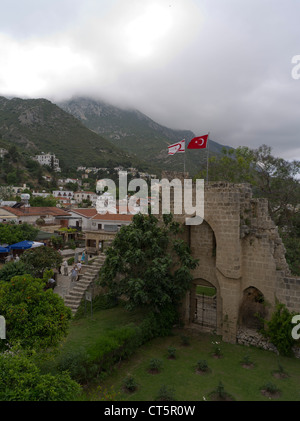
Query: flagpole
pixel 207 156
pixel 184 160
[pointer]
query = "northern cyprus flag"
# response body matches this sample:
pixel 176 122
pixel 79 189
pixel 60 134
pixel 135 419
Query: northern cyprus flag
pixel 176 147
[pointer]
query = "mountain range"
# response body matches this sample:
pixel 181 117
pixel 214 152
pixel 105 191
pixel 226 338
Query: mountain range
pixel 133 131
pixel 86 132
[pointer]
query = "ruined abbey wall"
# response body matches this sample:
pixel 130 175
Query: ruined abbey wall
pixel 239 250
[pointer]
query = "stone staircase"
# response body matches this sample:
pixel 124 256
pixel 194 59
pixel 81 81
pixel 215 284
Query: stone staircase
pixel 90 274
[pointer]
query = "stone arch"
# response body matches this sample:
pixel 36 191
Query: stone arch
pixel 252 308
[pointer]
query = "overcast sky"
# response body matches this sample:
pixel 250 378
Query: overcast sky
pixel 223 66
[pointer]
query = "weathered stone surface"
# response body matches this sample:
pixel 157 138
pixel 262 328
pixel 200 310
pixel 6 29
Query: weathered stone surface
pixel 238 246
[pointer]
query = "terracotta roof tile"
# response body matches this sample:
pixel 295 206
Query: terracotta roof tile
pixel 36 211
pixel 113 217
pixel 87 212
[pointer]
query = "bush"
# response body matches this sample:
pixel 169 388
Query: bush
pixel 278 330
pixel 202 366
pixel 71 261
pixel 79 365
pixel 185 340
pixel 11 269
pixel 166 394
pixel 21 380
pixel 155 365
pixel 129 384
pixel 172 352
pixel 117 345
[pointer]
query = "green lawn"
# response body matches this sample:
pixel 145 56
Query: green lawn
pixel 242 383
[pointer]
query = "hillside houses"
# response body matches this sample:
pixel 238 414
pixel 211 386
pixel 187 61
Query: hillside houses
pixel 50 215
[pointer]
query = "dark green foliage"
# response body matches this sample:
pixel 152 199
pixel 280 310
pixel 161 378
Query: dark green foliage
pixel 129 384
pixel 39 259
pixel 202 366
pixel 39 201
pixel 155 365
pixel 36 319
pixel 21 380
pixel 148 265
pixel 79 365
pixel 166 393
pixel 270 388
pixel 279 330
pixel 172 352
pixel 185 340
pixel 13 233
pixel 11 269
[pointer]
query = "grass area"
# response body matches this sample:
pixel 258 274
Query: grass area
pixel 243 384
pixel 205 290
pixel 85 331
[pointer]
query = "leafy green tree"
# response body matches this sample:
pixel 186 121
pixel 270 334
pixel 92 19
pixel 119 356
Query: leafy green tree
pixel 11 269
pixel 35 318
pixel 149 264
pixel 39 259
pixel 22 380
pixel 40 201
pixel 279 330
pixel 13 233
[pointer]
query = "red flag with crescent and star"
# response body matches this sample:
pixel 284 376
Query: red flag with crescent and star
pixel 199 142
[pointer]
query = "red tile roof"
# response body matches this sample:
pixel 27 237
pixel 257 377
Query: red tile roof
pixel 87 212
pixel 42 210
pixel 112 217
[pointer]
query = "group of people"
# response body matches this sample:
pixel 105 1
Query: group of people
pixel 76 269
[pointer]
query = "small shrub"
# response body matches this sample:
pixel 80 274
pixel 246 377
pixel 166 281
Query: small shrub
pixel 217 352
pixel 246 361
pixel 280 372
pixel 202 366
pixel 78 365
pixel 220 394
pixel 155 365
pixel 129 384
pixel 185 340
pixel 166 394
pixel 278 330
pixel 171 353
pixel 270 390
pixel 71 261
pixel 104 394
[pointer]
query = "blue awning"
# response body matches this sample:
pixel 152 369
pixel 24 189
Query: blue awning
pixel 23 245
pixel 4 250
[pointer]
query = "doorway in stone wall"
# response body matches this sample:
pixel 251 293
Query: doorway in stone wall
pixel 252 309
pixel 204 305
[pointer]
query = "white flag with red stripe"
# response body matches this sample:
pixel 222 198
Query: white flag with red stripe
pixel 177 147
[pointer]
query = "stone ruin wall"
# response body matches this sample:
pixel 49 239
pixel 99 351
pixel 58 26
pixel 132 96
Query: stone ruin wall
pixel 248 252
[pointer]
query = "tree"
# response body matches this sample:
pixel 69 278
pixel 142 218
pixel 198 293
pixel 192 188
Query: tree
pixel 39 259
pixel 148 264
pixel 40 201
pixel 11 269
pixel 35 318
pixel 22 380
pixel 13 233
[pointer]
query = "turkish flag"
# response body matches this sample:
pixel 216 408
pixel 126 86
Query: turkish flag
pixel 199 142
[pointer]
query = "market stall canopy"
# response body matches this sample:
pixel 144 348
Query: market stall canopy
pixel 4 250
pixel 23 245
